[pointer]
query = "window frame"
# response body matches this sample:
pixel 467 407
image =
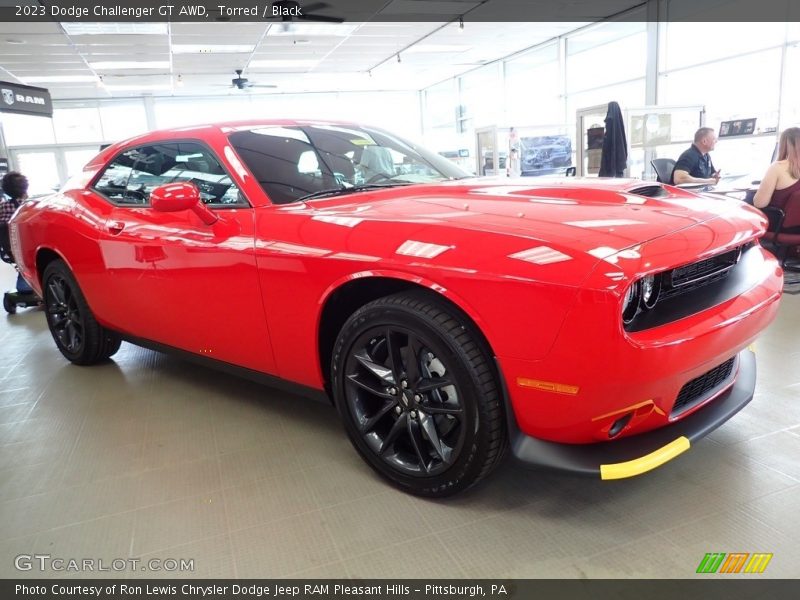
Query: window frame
pixel 201 143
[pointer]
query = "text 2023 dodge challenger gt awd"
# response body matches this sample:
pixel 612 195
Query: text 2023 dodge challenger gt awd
pixel 597 326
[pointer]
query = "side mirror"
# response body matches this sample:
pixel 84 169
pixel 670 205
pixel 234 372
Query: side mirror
pixel 174 197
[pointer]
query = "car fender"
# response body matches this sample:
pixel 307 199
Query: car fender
pixel 402 276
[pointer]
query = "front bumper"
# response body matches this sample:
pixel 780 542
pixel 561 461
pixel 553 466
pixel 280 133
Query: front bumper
pixel 638 454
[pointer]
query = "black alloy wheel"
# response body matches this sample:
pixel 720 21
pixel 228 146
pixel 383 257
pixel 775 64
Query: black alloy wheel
pixel 63 315
pixel 78 335
pixel 408 410
pixel 418 395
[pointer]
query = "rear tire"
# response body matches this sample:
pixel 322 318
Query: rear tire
pixel 417 392
pixel 78 335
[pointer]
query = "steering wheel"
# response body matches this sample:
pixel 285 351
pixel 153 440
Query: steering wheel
pixel 138 195
pixel 378 177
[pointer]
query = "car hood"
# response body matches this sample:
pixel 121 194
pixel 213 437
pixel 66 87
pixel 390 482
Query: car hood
pixel 580 218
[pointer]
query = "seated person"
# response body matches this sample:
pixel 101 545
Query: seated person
pixel 15 185
pixel 694 165
pixel 376 164
pixel 782 178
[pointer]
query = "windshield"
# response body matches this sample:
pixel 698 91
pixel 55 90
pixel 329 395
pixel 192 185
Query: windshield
pixel 296 161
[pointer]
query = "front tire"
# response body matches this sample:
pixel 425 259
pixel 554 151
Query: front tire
pixel 79 337
pixel 417 392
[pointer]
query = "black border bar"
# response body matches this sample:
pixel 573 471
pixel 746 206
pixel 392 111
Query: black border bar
pixel 705 587
pixel 210 11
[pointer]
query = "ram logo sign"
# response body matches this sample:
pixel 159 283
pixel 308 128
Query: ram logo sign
pixel 734 562
pixel 25 99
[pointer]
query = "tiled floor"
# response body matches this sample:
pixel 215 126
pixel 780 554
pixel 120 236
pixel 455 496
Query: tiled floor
pixel 151 457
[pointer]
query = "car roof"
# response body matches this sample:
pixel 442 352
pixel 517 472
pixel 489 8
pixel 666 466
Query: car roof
pixel 215 128
pixel 243 125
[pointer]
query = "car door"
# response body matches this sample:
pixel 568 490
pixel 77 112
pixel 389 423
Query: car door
pixel 173 279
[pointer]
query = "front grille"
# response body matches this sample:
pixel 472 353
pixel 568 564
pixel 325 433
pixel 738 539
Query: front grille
pixel 698 388
pixel 692 276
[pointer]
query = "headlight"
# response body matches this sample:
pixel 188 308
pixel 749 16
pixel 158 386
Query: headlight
pixel 642 294
pixel 651 286
pixel 630 304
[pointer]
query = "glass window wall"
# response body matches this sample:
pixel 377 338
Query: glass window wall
pixel 482 97
pixel 533 88
pixel 605 55
pixel 77 125
pixel 121 120
pixel 724 92
pixel 687 44
pixel 27 130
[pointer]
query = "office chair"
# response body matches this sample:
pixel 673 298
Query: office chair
pixel 663 168
pixel 783 232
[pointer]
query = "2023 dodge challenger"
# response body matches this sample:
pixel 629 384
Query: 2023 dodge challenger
pixel 597 326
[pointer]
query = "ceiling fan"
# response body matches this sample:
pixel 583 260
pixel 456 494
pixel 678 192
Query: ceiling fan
pixel 242 83
pixel 289 10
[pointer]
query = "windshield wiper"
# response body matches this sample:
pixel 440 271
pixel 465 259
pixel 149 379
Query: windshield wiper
pixel 349 190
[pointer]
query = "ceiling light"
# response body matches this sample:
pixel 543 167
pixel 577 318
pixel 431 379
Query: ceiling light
pixel 211 48
pixel 130 64
pixel 287 63
pixel 309 29
pixel 60 79
pixel 180 81
pixel 415 8
pixel 114 28
pixel 99 82
pixel 439 48
pixel 138 87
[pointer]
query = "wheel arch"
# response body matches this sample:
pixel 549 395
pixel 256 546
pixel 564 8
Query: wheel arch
pixel 346 296
pixel 44 256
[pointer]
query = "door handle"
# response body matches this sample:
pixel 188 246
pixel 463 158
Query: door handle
pixel 115 227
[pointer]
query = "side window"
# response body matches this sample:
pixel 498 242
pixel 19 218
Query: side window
pixel 194 163
pixel 149 171
pixel 132 176
pixel 113 182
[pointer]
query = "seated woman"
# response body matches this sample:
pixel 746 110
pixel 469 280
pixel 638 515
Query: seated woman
pixel 782 178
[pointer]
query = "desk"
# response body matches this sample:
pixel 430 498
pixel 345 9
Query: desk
pixel 742 188
pixel 735 189
pixel 743 194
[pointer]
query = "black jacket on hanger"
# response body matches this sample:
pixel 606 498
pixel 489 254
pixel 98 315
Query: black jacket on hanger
pixel 614 157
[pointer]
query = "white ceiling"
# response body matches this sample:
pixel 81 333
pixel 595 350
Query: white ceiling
pixel 356 55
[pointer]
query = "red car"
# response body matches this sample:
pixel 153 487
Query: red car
pixel 597 326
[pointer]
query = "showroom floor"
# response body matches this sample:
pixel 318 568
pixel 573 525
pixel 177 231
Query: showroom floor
pixel 151 457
